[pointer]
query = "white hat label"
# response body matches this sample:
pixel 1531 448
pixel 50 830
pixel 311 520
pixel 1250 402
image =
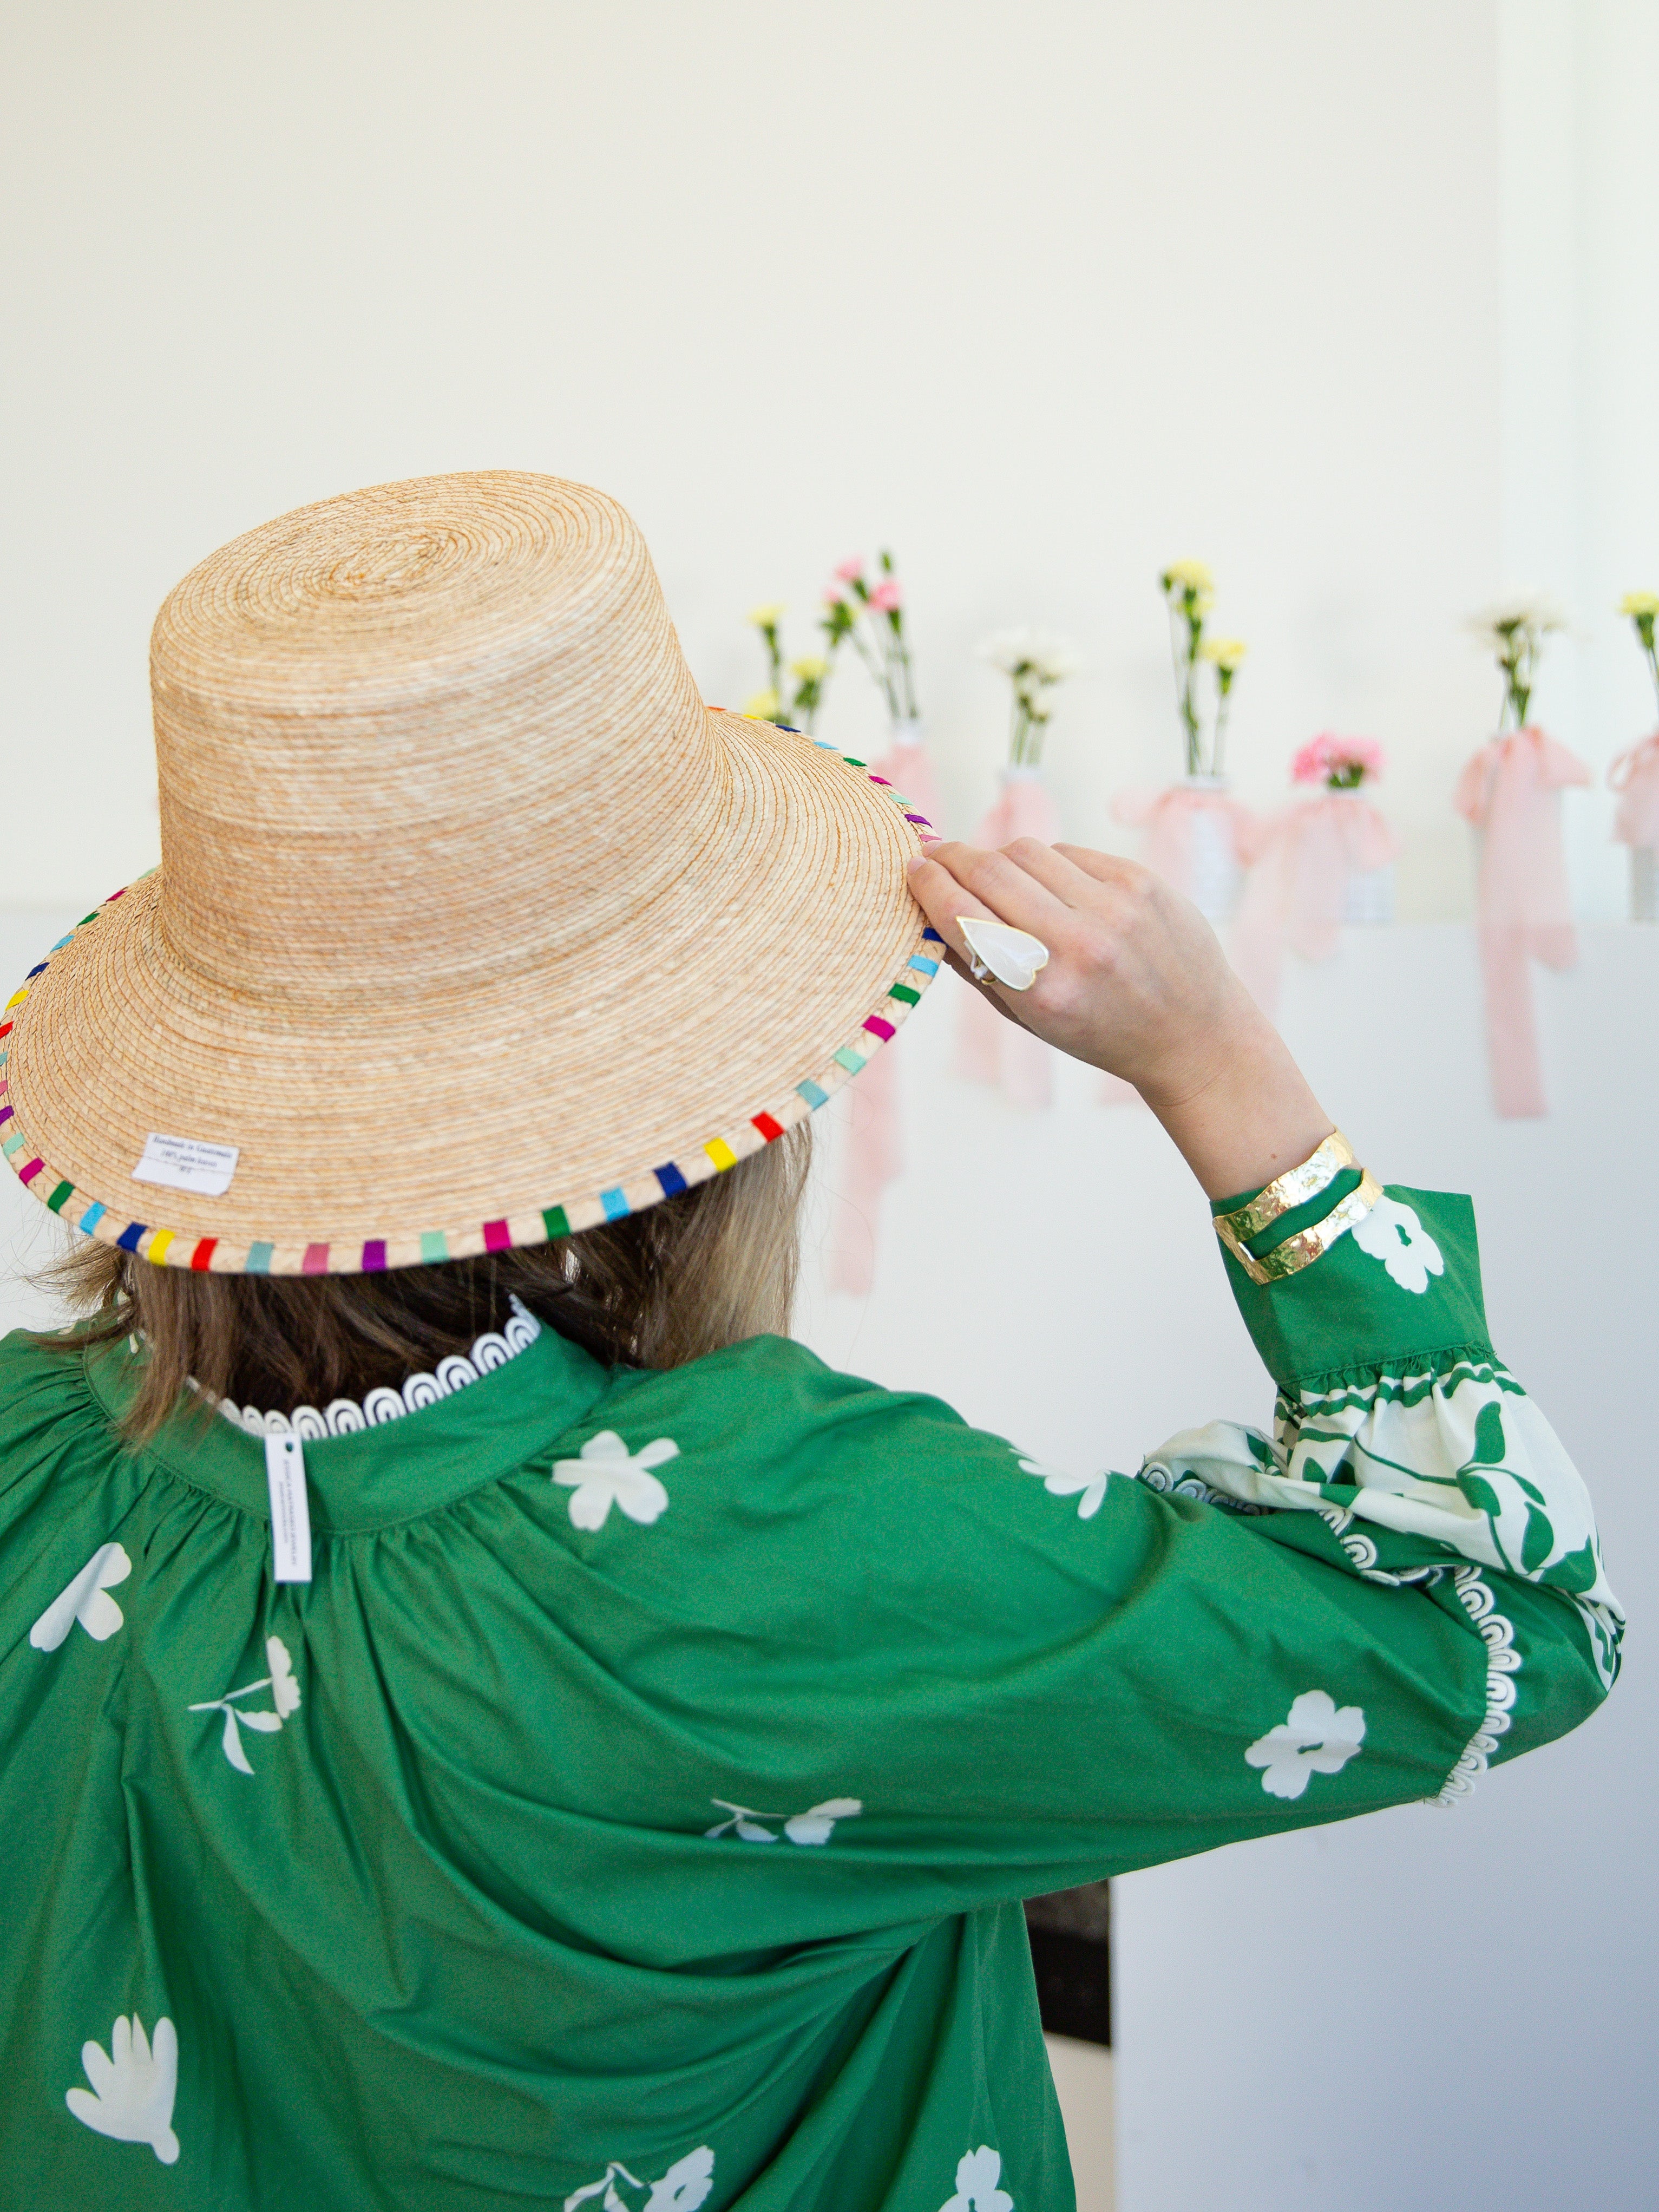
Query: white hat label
pixel 187 1163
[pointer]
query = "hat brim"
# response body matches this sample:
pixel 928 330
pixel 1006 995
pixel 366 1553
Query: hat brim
pixel 496 1109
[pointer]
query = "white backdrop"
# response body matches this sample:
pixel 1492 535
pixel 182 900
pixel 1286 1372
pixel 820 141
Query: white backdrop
pixel 1354 303
pixel 1044 298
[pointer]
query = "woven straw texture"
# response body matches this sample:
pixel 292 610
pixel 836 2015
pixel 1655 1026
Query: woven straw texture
pixel 473 923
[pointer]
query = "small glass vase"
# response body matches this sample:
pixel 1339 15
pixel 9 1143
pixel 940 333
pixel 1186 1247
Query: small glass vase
pixel 1644 884
pixel 1218 875
pixel 1368 895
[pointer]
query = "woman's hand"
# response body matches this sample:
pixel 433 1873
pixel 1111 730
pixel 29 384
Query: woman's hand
pixel 1135 983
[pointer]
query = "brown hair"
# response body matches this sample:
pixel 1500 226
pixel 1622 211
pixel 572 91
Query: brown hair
pixel 707 1269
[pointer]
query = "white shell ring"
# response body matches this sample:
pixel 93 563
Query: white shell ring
pixel 1012 956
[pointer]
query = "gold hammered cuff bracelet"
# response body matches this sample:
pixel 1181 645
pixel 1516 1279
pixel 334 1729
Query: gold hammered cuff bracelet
pixel 1295 1188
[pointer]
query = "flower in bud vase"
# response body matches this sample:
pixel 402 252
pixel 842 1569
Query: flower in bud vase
pixel 1635 776
pixel 1196 834
pixel 988 1049
pixel 1326 861
pixel 1036 666
pixel 1510 792
pixel 1514 630
pixel 792 694
pixel 1224 655
pixel 871 616
pixel 1343 766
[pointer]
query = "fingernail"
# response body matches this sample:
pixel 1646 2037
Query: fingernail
pixel 919 861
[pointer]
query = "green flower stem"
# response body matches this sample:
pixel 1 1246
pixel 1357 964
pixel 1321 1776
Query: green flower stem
pixel 1025 737
pixel 1518 660
pixel 1186 610
pixel 1223 677
pixel 901 655
pixel 1650 654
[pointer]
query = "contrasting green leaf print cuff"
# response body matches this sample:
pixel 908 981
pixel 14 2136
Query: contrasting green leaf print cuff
pixel 1405 1282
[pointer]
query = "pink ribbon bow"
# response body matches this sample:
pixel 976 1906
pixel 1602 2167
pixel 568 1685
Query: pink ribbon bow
pixel 1511 792
pixel 1298 888
pixel 1173 848
pixel 1169 818
pixel 1635 774
pixel 874 1149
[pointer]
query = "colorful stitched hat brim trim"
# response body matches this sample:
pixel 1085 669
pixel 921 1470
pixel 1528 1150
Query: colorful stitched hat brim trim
pixel 112 1224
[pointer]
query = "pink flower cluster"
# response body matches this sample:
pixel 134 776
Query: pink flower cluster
pixel 885 597
pixel 1339 763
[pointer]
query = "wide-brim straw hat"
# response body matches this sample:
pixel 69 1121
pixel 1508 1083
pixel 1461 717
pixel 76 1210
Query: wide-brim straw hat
pixel 474 926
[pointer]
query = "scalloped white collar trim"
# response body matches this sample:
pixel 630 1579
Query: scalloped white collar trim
pixel 345 1415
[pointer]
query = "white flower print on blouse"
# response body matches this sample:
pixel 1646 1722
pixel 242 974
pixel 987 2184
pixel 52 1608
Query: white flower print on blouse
pixel 284 1697
pixel 979 2178
pixel 1392 1233
pixel 86 1599
pixel 133 2086
pixel 1059 1484
pixel 682 2189
pixel 815 1826
pixel 608 1473
pixel 1319 1737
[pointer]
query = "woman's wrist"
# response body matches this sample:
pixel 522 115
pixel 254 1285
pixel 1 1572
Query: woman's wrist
pixel 1239 1110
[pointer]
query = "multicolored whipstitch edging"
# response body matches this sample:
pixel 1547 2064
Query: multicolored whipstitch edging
pixel 166 1249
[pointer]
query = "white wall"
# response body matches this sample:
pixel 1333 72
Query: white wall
pixel 1580 337
pixel 1046 297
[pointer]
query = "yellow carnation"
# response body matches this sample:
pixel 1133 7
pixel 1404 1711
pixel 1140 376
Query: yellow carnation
pixel 763 705
pixel 1191 576
pixel 1225 651
pixel 1638 604
pixel 811 668
pixel 768 615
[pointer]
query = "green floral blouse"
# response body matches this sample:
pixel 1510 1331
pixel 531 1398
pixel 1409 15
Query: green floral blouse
pixel 634 1808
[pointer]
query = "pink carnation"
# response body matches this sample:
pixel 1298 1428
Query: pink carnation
pixel 1332 760
pixel 887 597
pixel 850 569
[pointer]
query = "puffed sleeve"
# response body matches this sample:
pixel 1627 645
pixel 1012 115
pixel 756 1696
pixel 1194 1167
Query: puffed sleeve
pixel 1025 1676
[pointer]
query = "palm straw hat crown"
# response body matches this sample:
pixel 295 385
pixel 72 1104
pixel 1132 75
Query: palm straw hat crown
pixel 474 924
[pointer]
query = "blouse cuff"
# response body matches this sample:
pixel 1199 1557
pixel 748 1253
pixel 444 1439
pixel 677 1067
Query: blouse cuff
pixel 1404 1284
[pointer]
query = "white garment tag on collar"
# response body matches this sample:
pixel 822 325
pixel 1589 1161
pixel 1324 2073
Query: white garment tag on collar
pixel 291 1508
pixel 187 1163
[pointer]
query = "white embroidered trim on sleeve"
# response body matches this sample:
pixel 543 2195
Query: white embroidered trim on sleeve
pixel 1503 1665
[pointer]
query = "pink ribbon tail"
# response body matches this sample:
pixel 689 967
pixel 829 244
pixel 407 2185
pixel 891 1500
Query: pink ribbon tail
pixel 875 1140
pixel 873 1154
pixel 1518 1078
pixel 1297 893
pixel 1511 790
pixel 1635 776
pixel 988 1048
pixel 873 1148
